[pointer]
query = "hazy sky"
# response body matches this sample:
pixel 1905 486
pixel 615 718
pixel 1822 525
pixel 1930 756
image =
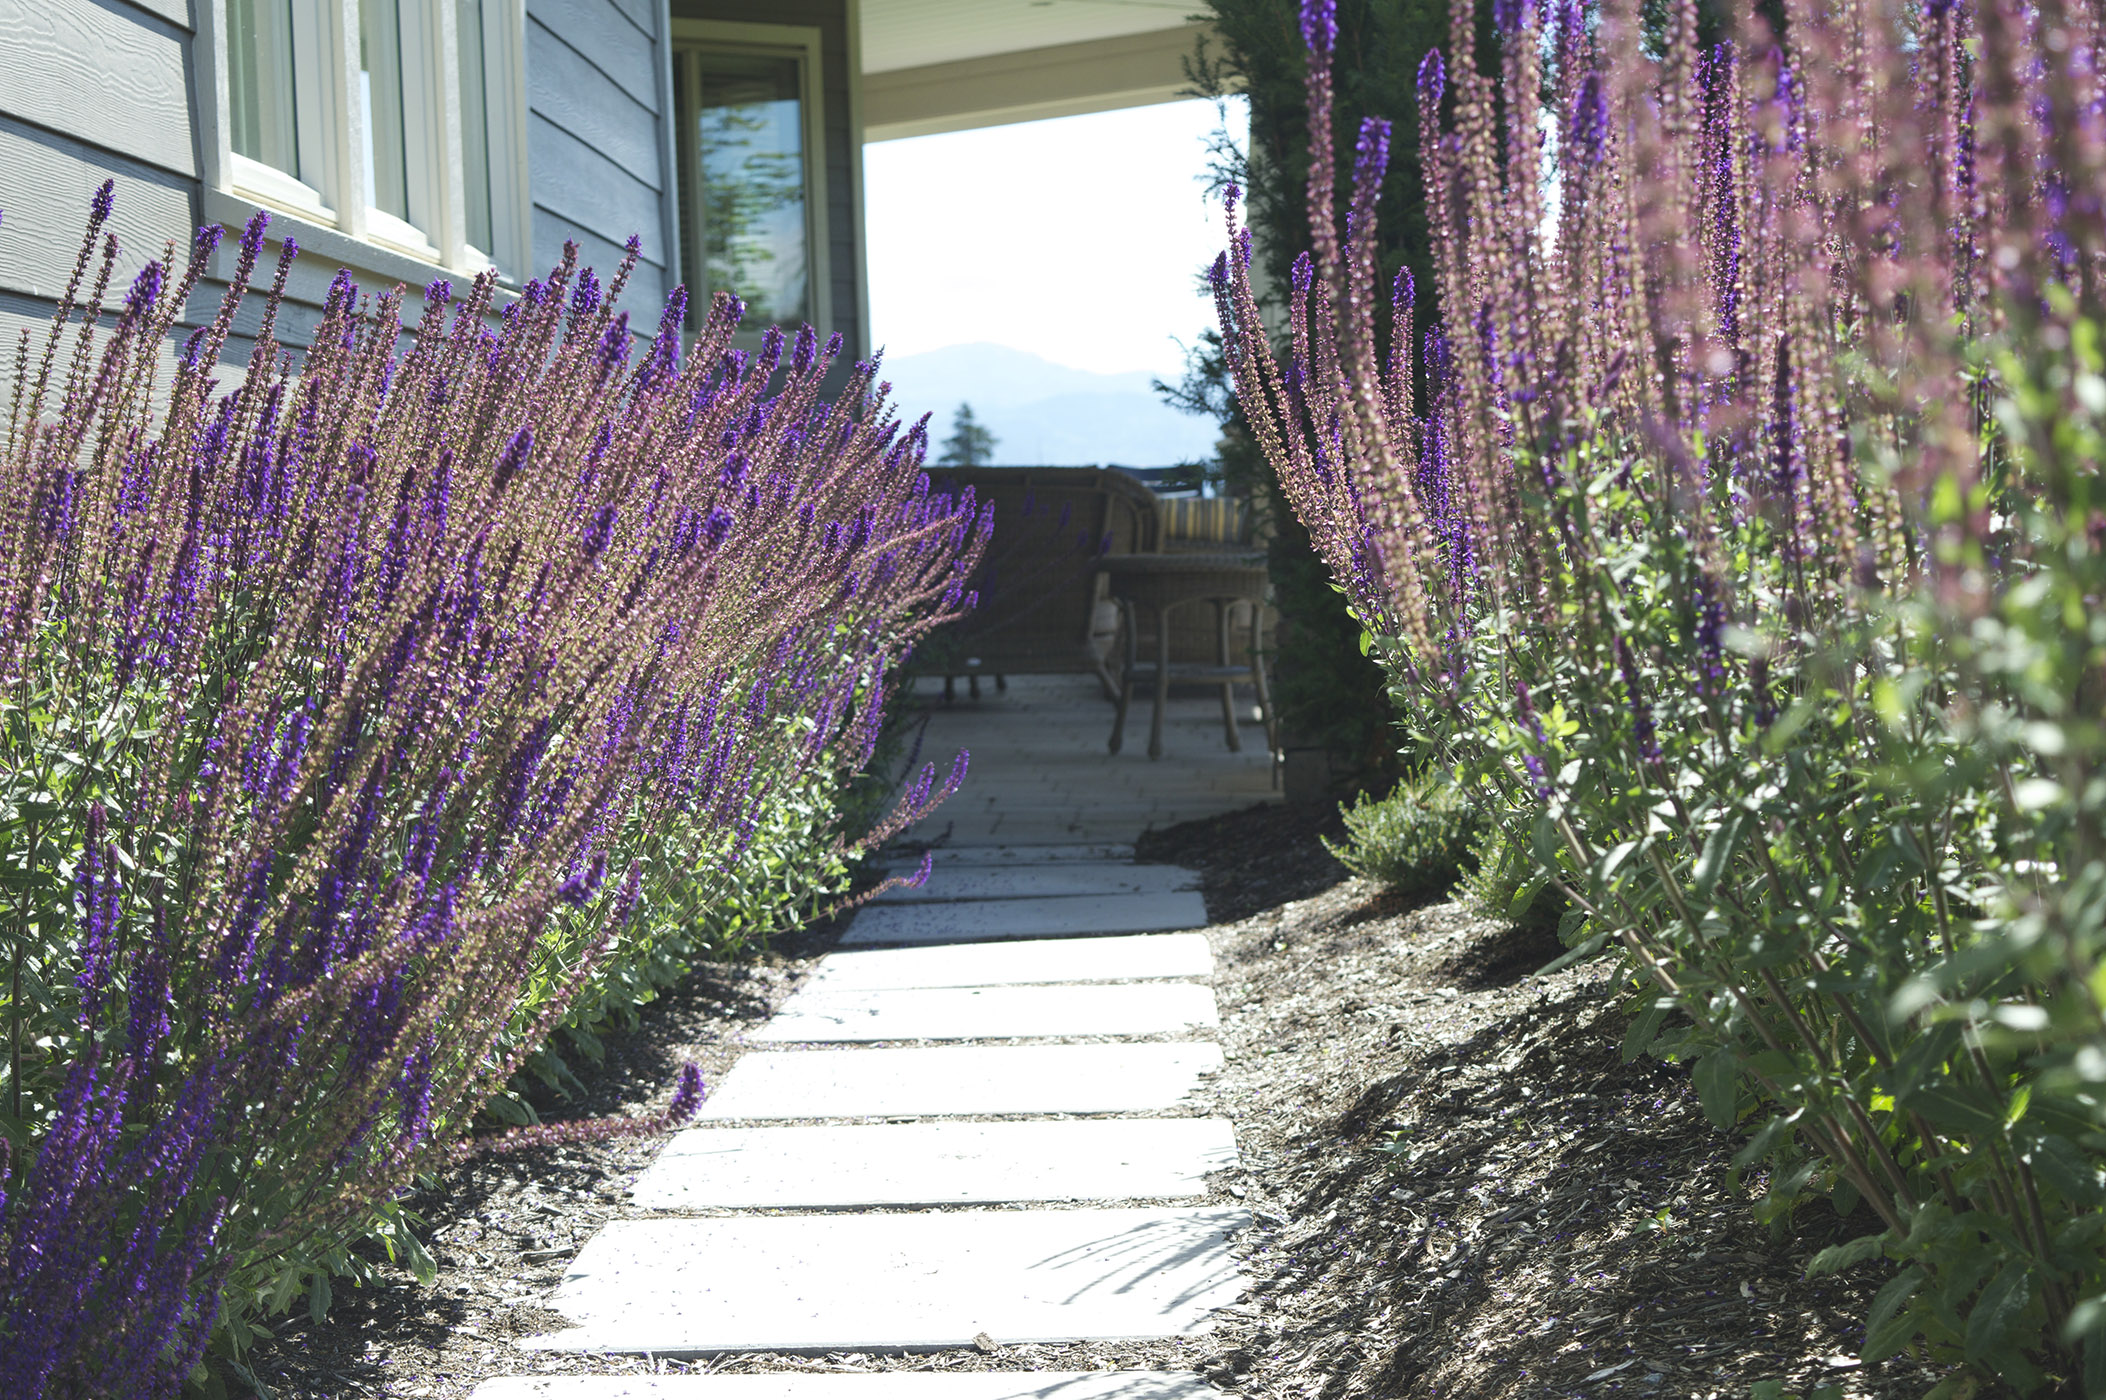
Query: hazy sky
pixel 1077 239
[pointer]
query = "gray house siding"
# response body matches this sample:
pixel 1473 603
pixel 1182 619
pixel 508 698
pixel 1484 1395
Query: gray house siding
pixel 120 89
pixel 90 90
pixel 596 132
pixel 844 153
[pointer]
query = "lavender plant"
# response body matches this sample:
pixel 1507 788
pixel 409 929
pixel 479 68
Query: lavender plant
pixel 1743 544
pixel 358 706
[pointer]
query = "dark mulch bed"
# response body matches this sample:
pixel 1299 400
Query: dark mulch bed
pixel 1458 1187
pixel 1461 1189
pixel 1255 859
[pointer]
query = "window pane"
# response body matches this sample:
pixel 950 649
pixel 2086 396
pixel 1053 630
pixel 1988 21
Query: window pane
pixel 750 142
pixel 380 92
pixel 260 82
pixel 475 122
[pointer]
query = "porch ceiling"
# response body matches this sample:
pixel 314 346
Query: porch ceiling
pixel 950 65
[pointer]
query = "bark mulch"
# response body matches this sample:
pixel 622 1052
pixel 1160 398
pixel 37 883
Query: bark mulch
pixel 1458 1187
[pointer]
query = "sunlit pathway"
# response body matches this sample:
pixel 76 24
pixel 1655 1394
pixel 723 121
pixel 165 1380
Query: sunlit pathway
pixel 972 1126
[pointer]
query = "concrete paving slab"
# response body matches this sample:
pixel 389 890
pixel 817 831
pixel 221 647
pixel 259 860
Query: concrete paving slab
pixel 1007 853
pixel 1068 877
pixel 991 1013
pixel 947 1081
pixel 908 1164
pixel 914 1281
pixel 1063 916
pixel 1127 958
pixel 876 1385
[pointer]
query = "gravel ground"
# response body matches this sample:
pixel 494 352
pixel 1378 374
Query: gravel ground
pixel 1458 1187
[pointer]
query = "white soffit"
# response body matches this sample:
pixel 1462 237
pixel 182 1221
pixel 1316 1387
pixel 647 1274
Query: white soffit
pixel 932 66
pixel 919 33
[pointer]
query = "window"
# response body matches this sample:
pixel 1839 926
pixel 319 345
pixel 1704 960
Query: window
pixel 398 122
pixel 751 197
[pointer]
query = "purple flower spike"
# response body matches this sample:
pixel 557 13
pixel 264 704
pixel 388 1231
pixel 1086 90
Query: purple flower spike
pixel 1433 77
pixel 1513 16
pixel 516 455
pixel 99 207
pixel 687 1099
pixel 1589 130
pixel 1371 156
pixel 252 235
pixel 675 313
pixel 1320 26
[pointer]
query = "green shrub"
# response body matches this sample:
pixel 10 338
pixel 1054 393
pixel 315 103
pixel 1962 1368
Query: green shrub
pixel 1502 881
pixel 1417 840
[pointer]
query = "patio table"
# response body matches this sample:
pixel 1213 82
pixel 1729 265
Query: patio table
pixel 1156 585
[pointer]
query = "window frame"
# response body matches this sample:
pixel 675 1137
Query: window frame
pixel 799 41
pixel 331 129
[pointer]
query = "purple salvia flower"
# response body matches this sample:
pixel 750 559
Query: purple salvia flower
pixel 1588 132
pixel 1320 26
pixel 1433 77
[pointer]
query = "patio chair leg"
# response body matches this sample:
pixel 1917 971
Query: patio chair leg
pixel 1222 608
pixel 972 684
pixel 1002 684
pixel 950 689
pixel 1162 681
pixel 1124 692
pixel 1264 688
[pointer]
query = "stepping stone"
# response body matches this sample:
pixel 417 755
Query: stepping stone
pixel 949 1081
pixel 1011 853
pixel 876 1385
pixel 992 1013
pixel 1045 878
pixel 914 1164
pixel 1132 958
pixel 910 1282
pixel 1065 916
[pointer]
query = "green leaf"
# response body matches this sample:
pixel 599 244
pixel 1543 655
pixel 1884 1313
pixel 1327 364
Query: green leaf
pixel 1838 1257
pixel 1887 1302
pixel 1946 1107
pixel 1640 1036
pixel 1997 1309
pixel 1719 849
pixel 318 1297
pixel 1717 1078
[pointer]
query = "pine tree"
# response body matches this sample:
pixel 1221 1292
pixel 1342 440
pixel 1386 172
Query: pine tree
pixel 970 443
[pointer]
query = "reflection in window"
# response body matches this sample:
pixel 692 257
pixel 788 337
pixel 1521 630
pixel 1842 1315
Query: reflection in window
pixel 747 134
pixel 380 93
pixel 260 82
pixel 475 123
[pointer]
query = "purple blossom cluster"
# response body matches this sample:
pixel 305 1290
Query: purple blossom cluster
pixel 408 658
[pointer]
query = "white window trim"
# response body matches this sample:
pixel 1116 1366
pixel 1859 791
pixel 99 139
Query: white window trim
pixel 803 42
pixel 332 133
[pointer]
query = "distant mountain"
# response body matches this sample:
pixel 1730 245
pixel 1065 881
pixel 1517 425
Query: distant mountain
pixel 1044 414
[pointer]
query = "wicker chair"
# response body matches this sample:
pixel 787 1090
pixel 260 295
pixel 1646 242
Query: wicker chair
pixel 1043 607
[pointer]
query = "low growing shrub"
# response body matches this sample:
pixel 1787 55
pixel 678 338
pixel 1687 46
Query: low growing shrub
pixel 1417 840
pixel 1503 881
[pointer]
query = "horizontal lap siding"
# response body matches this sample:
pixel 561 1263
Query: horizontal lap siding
pixel 91 92
pixel 595 144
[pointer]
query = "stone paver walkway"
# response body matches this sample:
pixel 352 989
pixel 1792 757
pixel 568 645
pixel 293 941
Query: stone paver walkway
pixel 950 1195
